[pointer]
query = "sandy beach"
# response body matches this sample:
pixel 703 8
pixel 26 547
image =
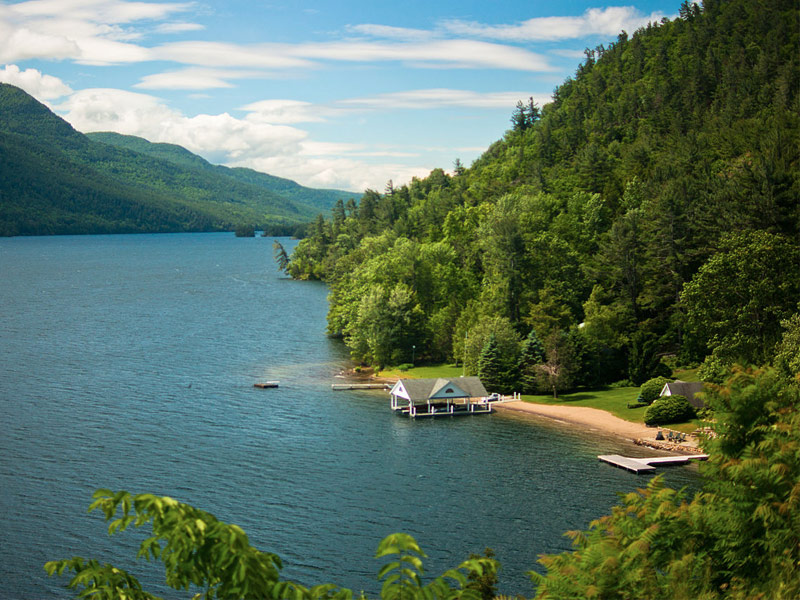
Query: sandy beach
pixel 593 418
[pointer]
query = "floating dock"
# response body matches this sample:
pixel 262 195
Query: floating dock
pixel 648 465
pixel 267 384
pixel 360 386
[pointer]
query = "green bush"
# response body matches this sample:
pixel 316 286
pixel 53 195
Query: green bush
pixel 622 383
pixel 651 389
pixel 405 367
pixel 669 409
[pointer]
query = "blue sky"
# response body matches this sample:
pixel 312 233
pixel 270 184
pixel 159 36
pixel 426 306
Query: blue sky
pixel 329 93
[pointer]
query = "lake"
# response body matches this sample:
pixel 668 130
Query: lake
pixel 128 362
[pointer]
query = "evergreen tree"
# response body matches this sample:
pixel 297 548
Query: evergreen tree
pixel 519 118
pixel 490 367
pixel 532 355
pixel 281 257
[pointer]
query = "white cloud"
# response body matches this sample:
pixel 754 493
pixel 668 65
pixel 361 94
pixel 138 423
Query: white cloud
pixel 92 32
pixel 607 21
pixel 338 173
pixel 194 79
pixel 108 32
pixel 109 11
pixel 567 53
pixel 216 137
pixel 100 52
pixel 221 54
pixel 451 53
pixel 21 44
pixel 285 112
pixel 389 32
pixel 178 27
pixel 443 98
pixel 42 87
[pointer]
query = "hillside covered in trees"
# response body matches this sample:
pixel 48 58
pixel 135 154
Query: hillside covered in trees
pixel 648 216
pixel 55 180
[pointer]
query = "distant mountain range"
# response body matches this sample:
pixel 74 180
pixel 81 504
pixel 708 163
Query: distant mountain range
pixel 56 180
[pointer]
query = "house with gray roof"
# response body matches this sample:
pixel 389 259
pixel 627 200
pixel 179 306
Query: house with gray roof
pixel 689 389
pixel 442 396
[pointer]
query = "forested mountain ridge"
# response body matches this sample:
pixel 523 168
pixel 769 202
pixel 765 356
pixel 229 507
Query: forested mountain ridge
pixel 319 200
pixel 55 180
pixel 649 213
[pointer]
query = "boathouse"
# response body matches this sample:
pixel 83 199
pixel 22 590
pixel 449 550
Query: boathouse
pixel 439 397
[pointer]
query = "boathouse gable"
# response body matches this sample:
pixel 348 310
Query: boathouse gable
pixel 399 390
pixel 445 388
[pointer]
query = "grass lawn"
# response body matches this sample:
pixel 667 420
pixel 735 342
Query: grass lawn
pixel 611 400
pixel 424 372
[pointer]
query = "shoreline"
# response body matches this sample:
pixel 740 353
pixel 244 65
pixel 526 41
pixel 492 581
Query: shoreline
pixel 600 420
pixel 584 417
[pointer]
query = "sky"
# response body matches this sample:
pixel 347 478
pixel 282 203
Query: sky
pixel 330 93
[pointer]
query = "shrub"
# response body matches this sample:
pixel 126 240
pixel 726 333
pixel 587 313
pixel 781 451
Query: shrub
pixel 651 389
pixel 669 409
pixel 405 367
pixel 622 383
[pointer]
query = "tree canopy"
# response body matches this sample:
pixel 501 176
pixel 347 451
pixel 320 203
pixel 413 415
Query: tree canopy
pixel 640 213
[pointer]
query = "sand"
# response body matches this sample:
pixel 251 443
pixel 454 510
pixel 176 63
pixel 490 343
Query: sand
pixel 592 418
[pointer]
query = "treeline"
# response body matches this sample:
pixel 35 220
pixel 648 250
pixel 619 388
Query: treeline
pixel 55 180
pixel 648 216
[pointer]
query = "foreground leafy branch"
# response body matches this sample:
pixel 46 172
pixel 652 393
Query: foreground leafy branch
pixel 200 552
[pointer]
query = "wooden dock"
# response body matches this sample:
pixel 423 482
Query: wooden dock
pixel 452 411
pixel 360 386
pixel 648 465
pixel 267 384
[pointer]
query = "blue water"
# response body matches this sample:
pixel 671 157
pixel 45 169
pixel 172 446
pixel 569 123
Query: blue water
pixel 128 362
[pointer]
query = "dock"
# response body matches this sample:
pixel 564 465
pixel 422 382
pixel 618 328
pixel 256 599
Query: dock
pixel 360 386
pixel 648 465
pixel 451 410
pixel 267 384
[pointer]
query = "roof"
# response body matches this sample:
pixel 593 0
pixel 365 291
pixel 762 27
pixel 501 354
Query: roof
pixel 685 388
pixel 425 390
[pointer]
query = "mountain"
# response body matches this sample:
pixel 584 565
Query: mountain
pixel 55 180
pixel 322 200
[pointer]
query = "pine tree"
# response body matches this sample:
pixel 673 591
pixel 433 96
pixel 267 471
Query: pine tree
pixel 490 366
pixel 532 354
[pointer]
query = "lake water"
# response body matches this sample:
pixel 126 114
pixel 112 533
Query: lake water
pixel 128 362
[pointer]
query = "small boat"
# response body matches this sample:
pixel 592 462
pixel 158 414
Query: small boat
pixel 267 384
